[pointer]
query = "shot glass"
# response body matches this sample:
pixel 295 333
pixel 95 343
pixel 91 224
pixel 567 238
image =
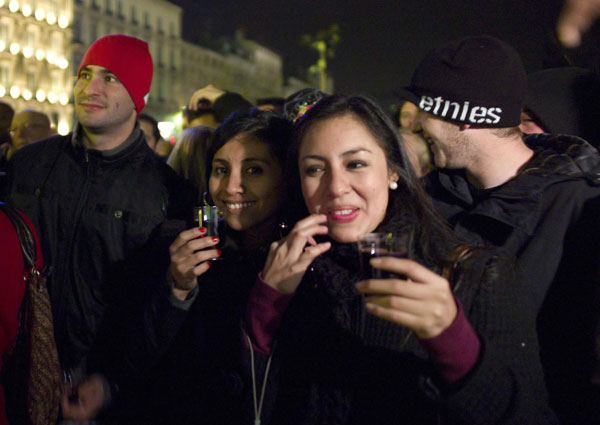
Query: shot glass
pixel 380 245
pixel 211 218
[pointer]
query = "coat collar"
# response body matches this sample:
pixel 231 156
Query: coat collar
pixel 556 158
pixel 134 139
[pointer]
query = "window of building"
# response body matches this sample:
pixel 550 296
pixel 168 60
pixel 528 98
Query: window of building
pixel 171 29
pixel 56 42
pixel 76 27
pixel 30 38
pixel 146 19
pixel 93 31
pixel 160 55
pixel 159 25
pixel 134 15
pixel 108 7
pixel 4 72
pixel 55 82
pixel 120 9
pixel 31 81
pixel 161 96
pixel 4 31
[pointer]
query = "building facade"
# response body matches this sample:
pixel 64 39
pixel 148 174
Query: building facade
pixel 42 43
pixel 34 58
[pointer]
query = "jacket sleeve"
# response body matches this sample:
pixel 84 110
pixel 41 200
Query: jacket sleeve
pixel 506 386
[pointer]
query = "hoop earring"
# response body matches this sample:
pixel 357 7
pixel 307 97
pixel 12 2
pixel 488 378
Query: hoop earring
pixel 393 185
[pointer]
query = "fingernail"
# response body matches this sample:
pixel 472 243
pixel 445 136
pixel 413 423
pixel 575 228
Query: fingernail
pixel 219 252
pixel 208 263
pixel 215 239
pixel 202 229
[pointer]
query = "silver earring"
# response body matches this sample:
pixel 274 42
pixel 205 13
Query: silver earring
pixel 393 185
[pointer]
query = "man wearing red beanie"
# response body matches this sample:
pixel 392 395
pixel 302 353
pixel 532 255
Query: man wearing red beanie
pixel 95 197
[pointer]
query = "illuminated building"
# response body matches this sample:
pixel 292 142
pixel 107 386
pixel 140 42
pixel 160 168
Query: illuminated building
pixel 34 57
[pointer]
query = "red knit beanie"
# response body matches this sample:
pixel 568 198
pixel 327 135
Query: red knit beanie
pixel 129 59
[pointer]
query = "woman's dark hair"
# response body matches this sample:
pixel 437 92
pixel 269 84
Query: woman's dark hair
pixel 273 130
pixel 433 242
pixel 188 155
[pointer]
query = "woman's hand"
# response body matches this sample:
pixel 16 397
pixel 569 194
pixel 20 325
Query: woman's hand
pixel 190 255
pixel 290 257
pixel 423 302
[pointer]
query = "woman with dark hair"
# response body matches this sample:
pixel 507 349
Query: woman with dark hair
pixel 194 323
pixel 443 342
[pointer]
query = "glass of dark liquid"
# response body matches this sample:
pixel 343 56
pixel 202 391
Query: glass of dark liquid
pixel 380 245
pixel 211 218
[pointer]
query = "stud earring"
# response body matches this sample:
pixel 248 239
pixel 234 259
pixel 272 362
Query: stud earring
pixel 393 185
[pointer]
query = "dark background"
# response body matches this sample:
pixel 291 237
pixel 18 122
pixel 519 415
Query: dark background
pixel 382 41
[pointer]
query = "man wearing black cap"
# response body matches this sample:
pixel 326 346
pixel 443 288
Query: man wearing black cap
pixel 523 194
pixel 96 196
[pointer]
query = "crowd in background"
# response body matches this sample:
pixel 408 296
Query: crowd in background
pixel 491 315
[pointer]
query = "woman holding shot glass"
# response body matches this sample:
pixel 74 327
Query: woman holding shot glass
pixel 194 323
pixel 443 341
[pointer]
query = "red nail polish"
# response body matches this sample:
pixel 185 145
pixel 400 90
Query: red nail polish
pixel 219 252
pixel 215 239
pixel 208 263
pixel 202 229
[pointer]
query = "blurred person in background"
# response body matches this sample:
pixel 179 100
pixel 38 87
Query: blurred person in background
pixel 407 114
pixel 271 104
pixel 29 126
pixel 6 116
pixel 149 126
pixel 416 146
pixel 210 106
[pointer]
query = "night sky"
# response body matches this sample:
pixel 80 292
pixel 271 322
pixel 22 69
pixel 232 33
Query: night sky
pixel 381 41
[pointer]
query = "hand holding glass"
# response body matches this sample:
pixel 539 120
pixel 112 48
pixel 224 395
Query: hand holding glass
pixel 380 245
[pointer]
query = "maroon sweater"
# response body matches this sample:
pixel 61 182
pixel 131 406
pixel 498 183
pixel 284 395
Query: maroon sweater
pixel 454 352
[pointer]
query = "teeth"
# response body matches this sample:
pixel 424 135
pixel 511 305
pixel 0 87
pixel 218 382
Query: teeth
pixel 238 206
pixel 342 212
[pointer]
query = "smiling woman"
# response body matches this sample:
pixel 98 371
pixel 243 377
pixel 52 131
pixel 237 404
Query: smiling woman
pixel 442 342
pixel 245 180
pixel 195 319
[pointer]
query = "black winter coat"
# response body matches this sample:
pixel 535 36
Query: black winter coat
pixel 547 219
pixel 95 211
pixel 336 364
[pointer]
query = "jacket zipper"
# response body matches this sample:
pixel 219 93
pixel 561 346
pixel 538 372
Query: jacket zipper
pixel 69 248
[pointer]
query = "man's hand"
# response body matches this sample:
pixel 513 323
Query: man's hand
pixel 85 402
